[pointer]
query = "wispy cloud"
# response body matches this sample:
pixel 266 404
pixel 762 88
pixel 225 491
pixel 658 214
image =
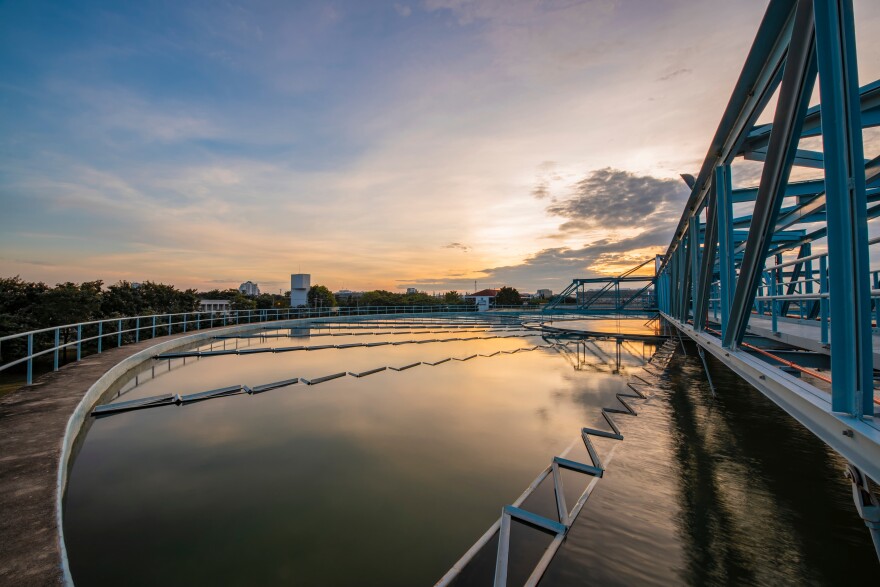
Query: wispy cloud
pixel 460 246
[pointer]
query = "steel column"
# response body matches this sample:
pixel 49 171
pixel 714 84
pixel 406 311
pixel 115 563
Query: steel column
pixel 851 355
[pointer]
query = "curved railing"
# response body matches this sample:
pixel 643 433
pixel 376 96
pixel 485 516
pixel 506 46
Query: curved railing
pixel 84 338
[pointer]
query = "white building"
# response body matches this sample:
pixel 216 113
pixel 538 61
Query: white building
pixel 544 294
pixel 411 290
pixel 249 288
pixel 346 294
pixel 299 289
pixel 217 306
pixel 484 299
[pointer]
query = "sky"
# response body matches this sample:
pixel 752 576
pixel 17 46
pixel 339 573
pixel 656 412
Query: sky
pixel 374 145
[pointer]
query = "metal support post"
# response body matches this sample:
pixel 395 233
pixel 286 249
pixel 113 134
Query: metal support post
pixel 846 204
pixel 30 361
pixel 823 301
pixel 694 230
pixel 724 212
pixel 79 333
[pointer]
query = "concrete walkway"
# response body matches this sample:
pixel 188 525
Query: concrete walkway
pixel 33 420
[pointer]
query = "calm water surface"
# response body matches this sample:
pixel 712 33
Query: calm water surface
pixel 388 479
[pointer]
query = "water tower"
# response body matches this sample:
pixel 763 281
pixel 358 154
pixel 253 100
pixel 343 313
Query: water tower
pixel 299 289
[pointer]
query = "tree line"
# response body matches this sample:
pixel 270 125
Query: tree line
pixel 26 305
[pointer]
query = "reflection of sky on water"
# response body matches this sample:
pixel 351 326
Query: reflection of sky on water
pixel 397 472
pixel 393 476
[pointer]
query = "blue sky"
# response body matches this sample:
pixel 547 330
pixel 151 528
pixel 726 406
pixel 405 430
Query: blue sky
pixel 372 144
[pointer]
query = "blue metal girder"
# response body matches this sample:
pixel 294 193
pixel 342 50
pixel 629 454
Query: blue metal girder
pixel 802 158
pixel 724 212
pixel 798 188
pixel 851 355
pixel 707 263
pixel 869 104
pixel 794 95
pixel 758 80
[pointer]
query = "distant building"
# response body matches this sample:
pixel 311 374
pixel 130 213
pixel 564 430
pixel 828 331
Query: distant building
pixel 299 289
pixel 347 294
pixel 249 288
pixel 544 294
pixel 484 299
pixel 411 290
pixel 217 306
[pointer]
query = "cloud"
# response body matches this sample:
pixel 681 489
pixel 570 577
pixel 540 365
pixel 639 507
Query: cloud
pixel 403 10
pixel 636 214
pixel 615 199
pixel 465 248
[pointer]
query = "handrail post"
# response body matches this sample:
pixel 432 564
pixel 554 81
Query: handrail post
pixel 823 301
pixel 774 325
pixel 100 337
pixel 877 300
pixel 184 322
pixel 154 327
pixel 79 331
pixel 119 333
pixel 30 361
pixel 57 342
pixel 169 324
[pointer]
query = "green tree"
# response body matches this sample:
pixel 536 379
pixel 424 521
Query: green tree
pixel 508 296
pixel 69 303
pixel 380 297
pixel 321 297
pixel 452 298
pixel 419 299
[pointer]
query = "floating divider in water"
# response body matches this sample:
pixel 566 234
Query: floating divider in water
pixel 323 379
pixel 167 399
pixel 440 362
pixel 274 385
pixel 513 512
pixel 211 393
pixel 405 367
pixel 365 373
pixel 135 404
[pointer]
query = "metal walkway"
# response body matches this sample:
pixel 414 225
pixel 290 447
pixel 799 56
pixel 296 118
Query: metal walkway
pixel 776 280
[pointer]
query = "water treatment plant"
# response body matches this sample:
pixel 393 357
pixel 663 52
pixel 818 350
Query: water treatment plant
pixel 706 416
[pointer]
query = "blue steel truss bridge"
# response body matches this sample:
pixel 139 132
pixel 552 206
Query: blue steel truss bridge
pixel 781 281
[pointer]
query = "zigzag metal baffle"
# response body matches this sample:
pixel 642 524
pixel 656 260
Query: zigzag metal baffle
pixel 510 513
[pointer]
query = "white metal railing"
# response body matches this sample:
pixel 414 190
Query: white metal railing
pixel 25 347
